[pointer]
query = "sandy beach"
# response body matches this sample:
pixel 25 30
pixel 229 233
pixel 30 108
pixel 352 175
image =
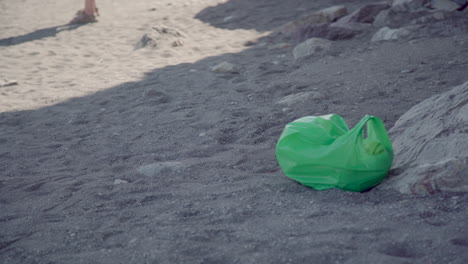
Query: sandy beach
pixel 118 150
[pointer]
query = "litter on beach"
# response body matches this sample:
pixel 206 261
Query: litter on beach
pixel 322 153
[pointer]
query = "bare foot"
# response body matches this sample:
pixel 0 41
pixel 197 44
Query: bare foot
pixel 82 17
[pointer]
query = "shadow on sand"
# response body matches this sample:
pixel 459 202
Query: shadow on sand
pixel 38 34
pixel 263 15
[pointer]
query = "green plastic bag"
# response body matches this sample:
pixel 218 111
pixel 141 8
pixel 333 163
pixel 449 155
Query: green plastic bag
pixel 322 153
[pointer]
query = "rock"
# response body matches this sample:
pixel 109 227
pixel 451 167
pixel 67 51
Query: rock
pixel 360 27
pixel 387 33
pixel 408 5
pixel 177 43
pixel 159 36
pixel 323 16
pixel 156 96
pixel 345 28
pixel 382 18
pixel 354 27
pixel 225 67
pixel 154 169
pixel 407 71
pixel 249 43
pixel 445 5
pixel 332 13
pixel 462 3
pixel 228 18
pixel 439 16
pixel 119 181
pixel 4 82
pixel 311 46
pixel 300 97
pixel 397 19
pixel 430 143
pixel 365 14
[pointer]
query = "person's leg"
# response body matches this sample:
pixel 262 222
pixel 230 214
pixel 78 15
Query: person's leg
pixel 87 15
pixel 90 7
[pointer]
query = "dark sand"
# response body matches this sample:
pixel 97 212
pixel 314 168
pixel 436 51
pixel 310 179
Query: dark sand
pixel 89 110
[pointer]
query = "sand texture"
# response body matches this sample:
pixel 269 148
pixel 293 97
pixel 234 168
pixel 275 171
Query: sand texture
pixel 118 150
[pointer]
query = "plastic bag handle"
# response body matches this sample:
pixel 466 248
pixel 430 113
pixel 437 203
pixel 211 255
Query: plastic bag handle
pixel 375 131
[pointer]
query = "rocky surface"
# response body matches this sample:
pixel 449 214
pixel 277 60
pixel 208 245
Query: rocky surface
pixel 365 14
pixel 323 16
pixel 430 143
pixel 311 47
pixel 446 5
pixel 408 5
pixel 387 33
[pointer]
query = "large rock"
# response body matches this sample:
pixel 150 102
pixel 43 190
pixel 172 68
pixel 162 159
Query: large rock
pixel 408 5
pixel 397 19
pixel 445 5
pixel 330 14
pixel 323 16
pixel 461 2
pixel 387 33
pixel 382 19
pixel 365 14
pixel 311 47
pixel 430 143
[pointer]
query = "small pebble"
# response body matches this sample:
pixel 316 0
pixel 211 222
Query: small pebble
pixel 439 16
pixel 225 67
pixel 4 83
pixel 119 181
pixel 228 18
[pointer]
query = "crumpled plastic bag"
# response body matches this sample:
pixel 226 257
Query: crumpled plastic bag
pixel 322 153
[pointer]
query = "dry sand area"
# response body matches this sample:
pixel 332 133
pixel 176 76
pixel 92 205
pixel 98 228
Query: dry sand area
pixel 111 153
